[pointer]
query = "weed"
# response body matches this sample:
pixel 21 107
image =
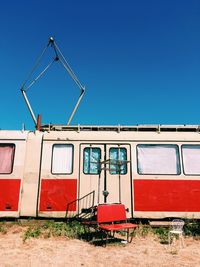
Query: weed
pixel 192 228
pixel 3 229
pixel 74 229
pixel 143 230
pixel 162 233
pixel 31 232
pixel 51 228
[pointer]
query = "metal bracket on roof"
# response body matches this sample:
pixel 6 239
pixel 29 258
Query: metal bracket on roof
pixel 58 58
pixel 119 128
pixel 158 130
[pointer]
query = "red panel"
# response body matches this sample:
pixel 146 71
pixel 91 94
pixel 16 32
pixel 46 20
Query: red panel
pixel 111 213
pixel 167 195
pixel 9 194
pixel 58 195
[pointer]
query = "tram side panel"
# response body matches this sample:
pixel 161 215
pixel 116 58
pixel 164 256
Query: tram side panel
pixel 166 183
pixel 12 153
pixel 58 179
pixel 31 174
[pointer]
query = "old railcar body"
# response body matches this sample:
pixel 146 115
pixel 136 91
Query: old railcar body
pixel 61 171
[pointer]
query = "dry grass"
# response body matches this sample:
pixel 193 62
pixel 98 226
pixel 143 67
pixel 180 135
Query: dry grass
pixel 60 250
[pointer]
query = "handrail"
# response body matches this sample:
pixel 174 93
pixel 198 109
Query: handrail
pixel 92 193
pixel 122 128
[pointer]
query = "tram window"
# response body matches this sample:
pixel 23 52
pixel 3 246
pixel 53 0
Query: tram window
pixel 191 159
pixel 6 158
pixel 91 159
pixel 117 156
pixel 158 159
pixel 62 161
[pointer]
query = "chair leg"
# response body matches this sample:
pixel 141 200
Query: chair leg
pixel 106 238
pixel 129 238
pixel 86 232
pixel 112 234
pixel 174 236
pixel 169 239
pixel 102 236
pixel 181 241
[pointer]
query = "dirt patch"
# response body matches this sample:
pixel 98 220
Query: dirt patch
pixel 60 251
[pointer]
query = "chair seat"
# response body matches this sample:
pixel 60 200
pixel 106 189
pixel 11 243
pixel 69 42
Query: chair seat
pixel 129 225
pixel 117 227
pixel 110 227
pixel 176 231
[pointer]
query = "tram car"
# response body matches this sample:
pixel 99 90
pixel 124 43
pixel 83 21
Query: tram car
pixel 62 171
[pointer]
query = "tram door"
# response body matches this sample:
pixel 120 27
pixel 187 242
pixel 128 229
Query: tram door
pixel 105 175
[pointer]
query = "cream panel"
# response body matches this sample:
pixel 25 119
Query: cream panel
pixel 47 160
pixel 57 214
pixel 9 214
pixel 126 136
pixel 46 173
pixel 31 175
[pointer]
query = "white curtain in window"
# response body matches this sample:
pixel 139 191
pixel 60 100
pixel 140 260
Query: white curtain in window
pixel 157 159
pixel 191 159
pixel 6 158
pixel 62 159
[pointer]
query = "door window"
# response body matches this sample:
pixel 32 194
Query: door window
pixel 91 159
pixel 118 157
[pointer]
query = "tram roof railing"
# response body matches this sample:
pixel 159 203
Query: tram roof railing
pixel 120 128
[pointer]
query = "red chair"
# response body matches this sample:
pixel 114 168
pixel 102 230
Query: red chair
pixel 112 218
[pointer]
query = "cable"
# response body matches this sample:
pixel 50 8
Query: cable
pixel 35 66
pixel 68 68
pixel 40 75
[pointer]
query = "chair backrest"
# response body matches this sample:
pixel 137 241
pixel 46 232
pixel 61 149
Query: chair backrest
pixel 111 213
pixel 177 224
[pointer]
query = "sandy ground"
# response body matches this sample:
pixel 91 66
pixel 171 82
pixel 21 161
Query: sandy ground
pixel 65 252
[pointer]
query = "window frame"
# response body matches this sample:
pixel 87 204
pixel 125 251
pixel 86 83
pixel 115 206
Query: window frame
pixel 183 161
pixel 112 164
pixel 84 159
pixel 72 169
pixel 159 174
pixel 13 157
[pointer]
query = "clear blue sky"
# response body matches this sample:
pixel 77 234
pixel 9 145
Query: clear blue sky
pixel 139 61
